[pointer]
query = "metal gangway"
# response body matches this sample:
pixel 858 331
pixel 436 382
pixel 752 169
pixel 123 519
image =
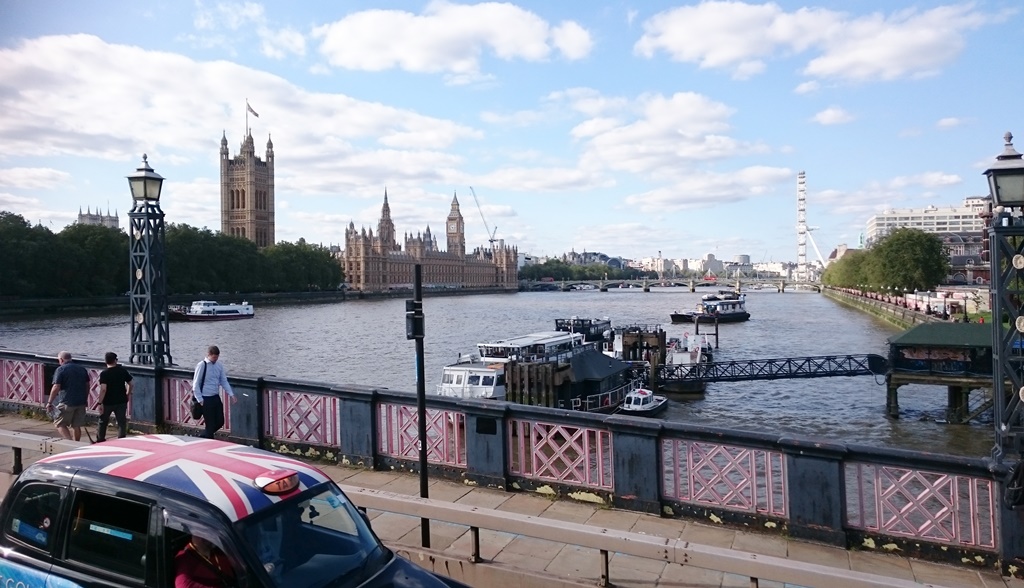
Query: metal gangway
pixel 822 366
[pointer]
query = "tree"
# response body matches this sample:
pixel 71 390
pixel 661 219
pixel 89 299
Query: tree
pixel 848 271
pixel 908 259
pixel 96 259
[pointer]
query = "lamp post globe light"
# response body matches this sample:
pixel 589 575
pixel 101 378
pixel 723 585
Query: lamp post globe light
pixel 1006 247
pixel 148 279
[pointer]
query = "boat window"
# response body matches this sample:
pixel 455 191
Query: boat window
pixel 474 380
pixel 446 378
pixel 458 379
pixel 500 381
pixel 488 380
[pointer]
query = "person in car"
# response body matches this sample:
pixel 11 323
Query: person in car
pixel 202 565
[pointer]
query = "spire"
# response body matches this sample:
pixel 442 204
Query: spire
pixel 270 144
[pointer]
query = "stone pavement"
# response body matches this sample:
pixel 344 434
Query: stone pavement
pixel 548 564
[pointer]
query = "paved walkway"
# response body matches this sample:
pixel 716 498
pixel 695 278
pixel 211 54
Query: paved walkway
pixel 572 563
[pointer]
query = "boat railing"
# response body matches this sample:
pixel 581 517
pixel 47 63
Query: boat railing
pixel 610 398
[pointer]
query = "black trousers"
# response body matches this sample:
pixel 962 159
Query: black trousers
pixel 213 415
pixel 119 411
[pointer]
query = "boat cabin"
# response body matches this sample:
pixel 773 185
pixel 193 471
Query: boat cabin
pixel 543 346
pixel 593 329
pixel 472 378
pixel 640 399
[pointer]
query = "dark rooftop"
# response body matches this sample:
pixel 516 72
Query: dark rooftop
pixel 945 334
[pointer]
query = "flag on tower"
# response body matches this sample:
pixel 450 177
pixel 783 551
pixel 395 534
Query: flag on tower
pixel 250 109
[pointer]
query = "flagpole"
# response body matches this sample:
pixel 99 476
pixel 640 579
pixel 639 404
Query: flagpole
pixel 246 118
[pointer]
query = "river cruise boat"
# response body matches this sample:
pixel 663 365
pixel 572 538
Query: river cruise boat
pixel 557 369
pixel 643 402
pixel 208 310
pixel 714 309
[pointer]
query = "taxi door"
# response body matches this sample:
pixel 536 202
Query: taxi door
pixel 107 539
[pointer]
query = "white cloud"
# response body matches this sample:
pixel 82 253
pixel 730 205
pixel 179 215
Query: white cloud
pixel 78 95
pixel 807 87
pixel 741 38
pixel 907 44
pixel 224 24
pixel 33 178
pixel 926 180
pixel 447 38
pixel 949 122
pixel 572 40
pixel 706 189
pixel 278 44
pixel 832 115
pixel 588 101
pixel 521 118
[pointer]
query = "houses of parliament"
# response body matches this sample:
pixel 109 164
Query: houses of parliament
pixel 377 263
pixel 371 262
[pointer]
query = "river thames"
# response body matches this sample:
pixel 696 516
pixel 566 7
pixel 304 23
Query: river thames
pixel 363 342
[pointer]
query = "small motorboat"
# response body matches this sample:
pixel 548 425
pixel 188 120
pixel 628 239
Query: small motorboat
pixel 643 402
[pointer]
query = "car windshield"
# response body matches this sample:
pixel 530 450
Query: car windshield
pixel 311 540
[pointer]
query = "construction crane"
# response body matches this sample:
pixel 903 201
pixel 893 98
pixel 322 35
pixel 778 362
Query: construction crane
pixel 490 233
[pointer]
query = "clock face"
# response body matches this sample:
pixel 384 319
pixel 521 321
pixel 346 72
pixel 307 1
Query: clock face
pixel 452 226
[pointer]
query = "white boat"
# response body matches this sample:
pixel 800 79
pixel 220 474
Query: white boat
pixel 558 369
pixel 643 402
pixel 208 310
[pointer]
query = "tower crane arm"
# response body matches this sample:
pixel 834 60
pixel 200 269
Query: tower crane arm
pixel 487 228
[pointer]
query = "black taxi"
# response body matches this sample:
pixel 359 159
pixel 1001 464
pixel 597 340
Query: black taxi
pixel 127 512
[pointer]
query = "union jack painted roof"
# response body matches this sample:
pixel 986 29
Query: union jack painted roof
pixel 218 472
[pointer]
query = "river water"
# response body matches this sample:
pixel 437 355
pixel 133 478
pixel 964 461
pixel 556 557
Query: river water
pixel 363 342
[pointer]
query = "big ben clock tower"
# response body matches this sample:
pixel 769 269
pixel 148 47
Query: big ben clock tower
pixel 456 230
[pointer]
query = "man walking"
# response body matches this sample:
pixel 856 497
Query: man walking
pixel 115 390
pixel 72 382
pixel 207 382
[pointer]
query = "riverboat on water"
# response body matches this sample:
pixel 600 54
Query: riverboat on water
pixel 643 402
pixel 558 369
pixel 712 309
pixel 208 310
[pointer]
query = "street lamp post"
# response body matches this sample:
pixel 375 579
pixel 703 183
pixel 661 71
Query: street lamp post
pixel 148 292
pixel 1006 245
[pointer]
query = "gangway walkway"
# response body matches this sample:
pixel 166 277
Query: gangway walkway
pixel 823 366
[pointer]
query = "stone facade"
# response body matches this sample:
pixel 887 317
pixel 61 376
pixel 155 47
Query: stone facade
pixel 378 263
pixel 104 220
pixel 247 192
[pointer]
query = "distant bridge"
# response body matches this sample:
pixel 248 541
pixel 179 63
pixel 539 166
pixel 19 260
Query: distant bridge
pixel 777 284
pixel 824 366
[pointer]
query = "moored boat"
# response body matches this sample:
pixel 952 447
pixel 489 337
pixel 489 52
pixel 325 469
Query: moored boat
pixel 712 309
pixel 208 310
pixel 558 369
pixel 643 402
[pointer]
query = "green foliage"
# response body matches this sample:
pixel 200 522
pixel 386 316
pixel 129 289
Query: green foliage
pixel 906 259
pixel 559 270
pixel 89 260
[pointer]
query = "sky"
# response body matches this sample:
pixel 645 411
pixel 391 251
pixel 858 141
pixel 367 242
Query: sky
pixel 632 128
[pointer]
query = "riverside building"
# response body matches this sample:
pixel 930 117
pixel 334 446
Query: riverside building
pixel 378 262
pixel 931 219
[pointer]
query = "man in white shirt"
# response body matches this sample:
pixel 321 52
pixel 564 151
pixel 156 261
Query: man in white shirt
pixel 209 379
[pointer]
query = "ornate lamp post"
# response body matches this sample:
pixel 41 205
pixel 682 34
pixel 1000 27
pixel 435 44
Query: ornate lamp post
pixel 150 332
pixel 1006 245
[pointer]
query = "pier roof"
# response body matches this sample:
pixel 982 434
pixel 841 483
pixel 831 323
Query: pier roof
pixel 945 335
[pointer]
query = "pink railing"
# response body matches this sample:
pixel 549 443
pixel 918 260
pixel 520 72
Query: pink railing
pixel 301 417
pixel 22 381
pixel 726 476
pixel 398 435
pixel 565 454
pixel 178 397
pixel 931 506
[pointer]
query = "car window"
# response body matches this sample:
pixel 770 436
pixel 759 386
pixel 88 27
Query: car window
pixel 109 533
pixel 311 540
pixel 33 514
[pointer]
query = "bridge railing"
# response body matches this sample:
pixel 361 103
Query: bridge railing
pixel 933 506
